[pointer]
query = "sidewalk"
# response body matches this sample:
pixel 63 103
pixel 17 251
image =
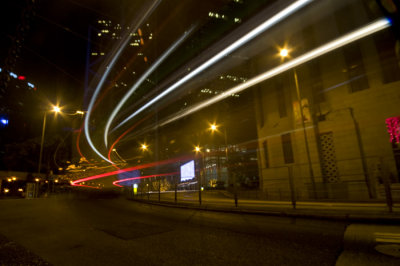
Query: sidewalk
pixel 12 253
pixel 377 212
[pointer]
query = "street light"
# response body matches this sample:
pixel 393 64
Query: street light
pixel 197 149
pixel 56 109
pixel 284 52
pixel 214 127
pixel 144 147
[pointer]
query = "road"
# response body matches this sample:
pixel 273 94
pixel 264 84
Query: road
pixel 114 231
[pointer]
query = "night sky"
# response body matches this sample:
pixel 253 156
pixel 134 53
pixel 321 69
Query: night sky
pixel 53 54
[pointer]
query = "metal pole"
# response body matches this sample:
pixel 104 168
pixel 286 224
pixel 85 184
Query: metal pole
pixel 199 182
pixel 291 185
pixel 362 154
pixel 235 194
pixel 305 134
pixel 226 153
pixel 176 189
pixel 41 143
pixel 388 192
pixel 159 189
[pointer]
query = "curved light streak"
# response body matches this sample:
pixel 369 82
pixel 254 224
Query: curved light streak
pixel 115 183
pixel 108 69
pixel 123 134
pixel 244 39
pixel 140 81
pixel 143 166
pixel 79 185
pixel 335 44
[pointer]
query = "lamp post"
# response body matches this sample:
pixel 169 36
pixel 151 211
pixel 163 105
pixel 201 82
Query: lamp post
pixel 56 109
pixel 197 149
pixel 214 127
pixel 284 53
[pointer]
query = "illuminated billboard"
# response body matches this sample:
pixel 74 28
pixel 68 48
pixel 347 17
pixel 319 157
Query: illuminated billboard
pixel 187 171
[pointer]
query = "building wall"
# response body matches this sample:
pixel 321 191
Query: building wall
pixel 348 143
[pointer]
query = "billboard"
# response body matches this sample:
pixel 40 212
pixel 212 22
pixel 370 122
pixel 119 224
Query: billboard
pixel 187 171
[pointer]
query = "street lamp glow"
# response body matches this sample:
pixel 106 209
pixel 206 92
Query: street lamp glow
pixel 37 179
pixel 56 109
pixel 213 127
pixel 14 178
pixel 284 52
pixel 144 147
pixel 197 149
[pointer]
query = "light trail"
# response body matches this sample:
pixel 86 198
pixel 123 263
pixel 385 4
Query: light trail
pixel 79 185
pixel 140 81
pixel 115 183
pixel 115 56
pixel 138 167
pixel 123 134
pixel 335 44
pixel 244 39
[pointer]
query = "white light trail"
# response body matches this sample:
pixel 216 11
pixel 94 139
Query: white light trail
pixel 108 69
pixel 326 48
pixel 246 38
pixel 140 81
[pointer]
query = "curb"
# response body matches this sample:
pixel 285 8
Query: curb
pixel 381 218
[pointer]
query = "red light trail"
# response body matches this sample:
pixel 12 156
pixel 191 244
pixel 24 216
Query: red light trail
pixel 143 166
pixel 115 183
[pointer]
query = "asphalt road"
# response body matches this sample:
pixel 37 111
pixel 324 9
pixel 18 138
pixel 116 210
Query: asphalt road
pixel 115 231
